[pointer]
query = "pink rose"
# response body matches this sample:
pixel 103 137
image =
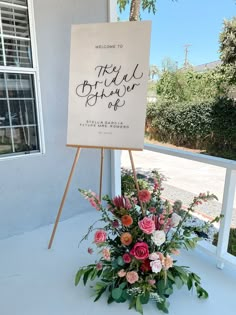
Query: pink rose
pixel 144 195
pixel 132 277
pixel 126 258
pixel 100 236
pixel 156 266
pixel 140 251
pixel 151 281
pixel 147 225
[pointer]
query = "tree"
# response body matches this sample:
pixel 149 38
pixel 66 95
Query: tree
pixel 228 42
pixel 135 6
pixel 153 72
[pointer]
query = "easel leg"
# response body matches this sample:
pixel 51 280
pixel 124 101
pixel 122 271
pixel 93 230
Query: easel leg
pixel 135 179
pixel 64 197
pixel 101 173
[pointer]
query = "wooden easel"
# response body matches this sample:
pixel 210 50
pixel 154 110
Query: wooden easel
pixel 100 183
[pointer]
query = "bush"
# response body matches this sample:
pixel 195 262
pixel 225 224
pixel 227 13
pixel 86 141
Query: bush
pixel 206 125
pixel 232 241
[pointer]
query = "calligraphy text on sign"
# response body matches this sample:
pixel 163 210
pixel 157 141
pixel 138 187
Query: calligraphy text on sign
pixel 111 83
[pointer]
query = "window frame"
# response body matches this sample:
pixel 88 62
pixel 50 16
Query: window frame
pixel 34 70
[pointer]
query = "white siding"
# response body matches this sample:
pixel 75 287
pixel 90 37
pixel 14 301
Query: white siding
pixel 31 187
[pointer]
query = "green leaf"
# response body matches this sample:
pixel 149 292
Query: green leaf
pixel 110 299
pixel 169 291
pixel 163 306
pixel 116 293
pixel 190 282
pixel 99 293
pixel 122 285
pixel 178 282
pixel 132 303
pixel 120 261
pixel 144 298
pixel 138 305
pixel 78 276
pixel 86 275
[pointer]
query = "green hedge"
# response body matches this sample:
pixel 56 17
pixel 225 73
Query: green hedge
pixel 206 125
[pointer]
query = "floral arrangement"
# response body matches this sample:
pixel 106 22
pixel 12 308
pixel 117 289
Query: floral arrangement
pixel 142 234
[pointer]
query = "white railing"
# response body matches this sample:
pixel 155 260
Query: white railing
pixel 220 251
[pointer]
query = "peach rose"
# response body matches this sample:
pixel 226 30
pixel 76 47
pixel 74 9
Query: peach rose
pixel 121 273
pixel 106 254
pixel 168 262
pixel 132 277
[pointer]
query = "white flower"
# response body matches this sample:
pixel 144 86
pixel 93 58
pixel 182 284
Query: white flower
pixel 156 265
pixel 175 219
pixel 154 256
pixel 158 237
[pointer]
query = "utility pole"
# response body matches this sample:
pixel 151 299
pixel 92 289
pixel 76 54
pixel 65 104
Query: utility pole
pixel 186 63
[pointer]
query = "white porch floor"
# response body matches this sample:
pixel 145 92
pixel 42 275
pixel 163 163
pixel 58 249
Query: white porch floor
pixel 38 281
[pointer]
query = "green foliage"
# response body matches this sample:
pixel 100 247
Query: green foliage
pixel 207 125
pixel 188 85
pixel 228 42
pixel 126 273
pixel 232 241
pixel 128 186
pixel 149 5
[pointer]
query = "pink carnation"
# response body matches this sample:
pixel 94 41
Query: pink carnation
pixel 147 225
pixel 132 277
pixel 100 236
pixel 144 195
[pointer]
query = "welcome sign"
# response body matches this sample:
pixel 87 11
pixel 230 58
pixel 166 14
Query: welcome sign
pixel 109 67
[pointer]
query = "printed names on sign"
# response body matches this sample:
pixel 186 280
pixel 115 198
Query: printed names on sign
pixel 108 84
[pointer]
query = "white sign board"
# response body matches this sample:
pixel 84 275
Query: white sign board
pixel 109 67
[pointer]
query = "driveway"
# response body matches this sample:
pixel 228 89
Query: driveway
pixel 185 178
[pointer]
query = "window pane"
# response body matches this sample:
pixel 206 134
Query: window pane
pixel 4 114
pixel 18 52
pixel 5 141
pixel 22 112
pixel 15 22
pixel 2 86
pixel 19 2
pixel 20 85
pixel 1 53
pixel 25 139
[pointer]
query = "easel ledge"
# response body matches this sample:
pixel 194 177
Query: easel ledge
pixel 103 147
pixel 100 182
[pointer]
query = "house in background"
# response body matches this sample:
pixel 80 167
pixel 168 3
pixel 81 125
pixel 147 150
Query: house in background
pixel 34 80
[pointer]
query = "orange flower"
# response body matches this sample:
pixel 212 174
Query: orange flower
pixel 126 238
pixel 126 220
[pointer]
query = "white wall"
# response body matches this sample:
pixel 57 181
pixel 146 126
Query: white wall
pixel 31 187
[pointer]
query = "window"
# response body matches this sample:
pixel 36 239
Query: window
pixel 19 127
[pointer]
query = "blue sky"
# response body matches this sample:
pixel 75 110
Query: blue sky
pixel 195 22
